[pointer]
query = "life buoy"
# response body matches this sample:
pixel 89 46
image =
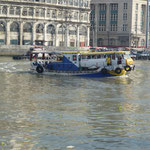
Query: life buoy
pixel 118 70
pixel 103 70
pixel 39 69
pixel 127 68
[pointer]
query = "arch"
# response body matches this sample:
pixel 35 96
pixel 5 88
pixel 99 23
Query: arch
pixel 100 42
pixel 62 29
pixel 15 38
pixel 39 28
pixel 27 27
pixel 14 27
pixel 142 42
pixel 72 36
pixel 2 33
pixel 83 36
pixel 83 30
pixel 51 29
pixel 2 26
pixel 4 10
pixel 112 41
pixel 72 30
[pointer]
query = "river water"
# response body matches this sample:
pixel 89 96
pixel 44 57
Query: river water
pixel 41 112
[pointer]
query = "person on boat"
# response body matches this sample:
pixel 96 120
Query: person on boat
pixel 108 60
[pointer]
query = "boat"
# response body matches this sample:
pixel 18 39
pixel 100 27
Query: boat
pixel 82 63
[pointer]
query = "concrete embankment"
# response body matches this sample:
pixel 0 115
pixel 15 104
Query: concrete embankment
pixel 12 50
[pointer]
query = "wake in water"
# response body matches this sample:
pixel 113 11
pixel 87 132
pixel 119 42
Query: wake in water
pixel 14 67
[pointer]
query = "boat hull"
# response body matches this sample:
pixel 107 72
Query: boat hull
pixel 90 74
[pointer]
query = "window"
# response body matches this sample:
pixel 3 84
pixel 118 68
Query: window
pixel 137 7
pixel 4 10
pixel 12 11
pixel 102 17
pixel 125 5
pixel 125 27
pixel 102 27
pixel 48 12
pixel 40 28
pixel 114 6
pixel 17 10
pixel 24 12
pixel 27 28
pixel 102 7
pixel 114 27
pixel 30 11
pixel 125 16
pixel 2 27
pixel 43 12
pixel 14 27
pixel 114 17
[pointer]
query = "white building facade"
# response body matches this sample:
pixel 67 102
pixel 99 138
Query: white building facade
pixel 59 23
pixel 118 23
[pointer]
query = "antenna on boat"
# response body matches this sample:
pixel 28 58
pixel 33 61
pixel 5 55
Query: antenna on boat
pixel 147 25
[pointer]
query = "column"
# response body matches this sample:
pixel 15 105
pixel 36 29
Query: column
pixel 78 37
pixel 56 37
pixel 8 33
pixel 45 33
pixel 96 24
pixel 67 36
pixel 33 32
pixel 107 24
pixel 88 36
pixel 21 33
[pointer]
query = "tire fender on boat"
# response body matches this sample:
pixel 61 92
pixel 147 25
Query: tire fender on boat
pixel 39 69
pixel 118 70
pixel 127 68
pixel 104 71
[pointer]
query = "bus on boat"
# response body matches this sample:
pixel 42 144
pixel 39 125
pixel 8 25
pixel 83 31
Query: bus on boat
pixel 82 63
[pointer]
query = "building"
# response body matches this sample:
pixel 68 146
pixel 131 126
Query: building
pixel 116 23
pixel 57 23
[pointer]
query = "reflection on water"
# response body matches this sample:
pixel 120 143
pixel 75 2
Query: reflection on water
pixel 52 112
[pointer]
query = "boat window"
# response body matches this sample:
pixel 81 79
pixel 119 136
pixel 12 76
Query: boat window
pixel 93 56
pixel 98 56
pixel 84 57
pixel 74 57
pixel 113 56
pixel 127 56
pixel 89 57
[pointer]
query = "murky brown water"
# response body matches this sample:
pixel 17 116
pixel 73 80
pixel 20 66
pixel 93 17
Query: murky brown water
pixel 40 112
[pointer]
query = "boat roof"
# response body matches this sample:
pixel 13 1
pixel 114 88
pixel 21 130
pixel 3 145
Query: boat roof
pixel 93 53
pixel 79 52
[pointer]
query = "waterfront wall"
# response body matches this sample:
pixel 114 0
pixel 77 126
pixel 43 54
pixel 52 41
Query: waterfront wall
pixel 10 50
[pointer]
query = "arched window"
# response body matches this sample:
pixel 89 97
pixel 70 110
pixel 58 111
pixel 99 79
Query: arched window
pixel 112 41
pixel 4 10
pixel 100 42
pixel 27 27
pixel 142 42
pixel 72 31
pixel 51 29
pixel 40 28
pixel 14 27
pixel 62 29
pixel 83 31
pixel 2 27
